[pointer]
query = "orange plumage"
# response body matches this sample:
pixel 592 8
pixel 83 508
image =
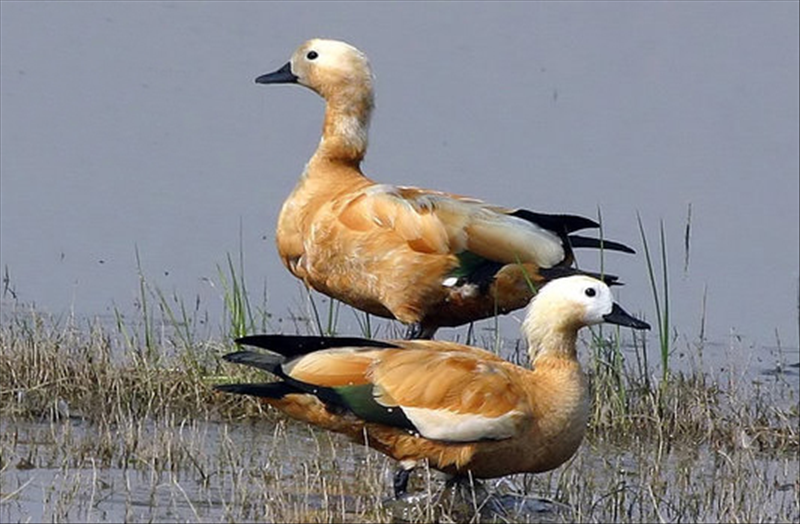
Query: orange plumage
pixel 426 258
pixel 458 407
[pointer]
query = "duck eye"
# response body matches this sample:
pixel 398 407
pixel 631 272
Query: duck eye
pixel 590 292
pixel 312 55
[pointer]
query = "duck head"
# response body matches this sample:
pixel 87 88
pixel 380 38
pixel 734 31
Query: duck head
pixel 341 74
pixel 565 305
pixel 329 67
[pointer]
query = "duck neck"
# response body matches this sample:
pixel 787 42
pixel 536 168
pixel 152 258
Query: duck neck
pixel 554 344
pixel 346 127
pixel 551 332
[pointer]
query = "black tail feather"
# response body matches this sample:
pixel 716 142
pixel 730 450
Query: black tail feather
pixel 265 361
pixel 265 390
pixel 596 243
pixel 557 223
pixel 272 363
pixel 553 273
pixel 295 345
pixel 563 225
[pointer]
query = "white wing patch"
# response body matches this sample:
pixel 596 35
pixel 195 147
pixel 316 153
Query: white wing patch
pixel 443 424
pixel 450 282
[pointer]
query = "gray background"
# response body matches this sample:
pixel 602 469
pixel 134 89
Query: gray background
pixel 138 125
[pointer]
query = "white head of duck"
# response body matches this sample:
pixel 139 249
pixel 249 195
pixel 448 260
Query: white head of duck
pixel 341 74
pixel 565 305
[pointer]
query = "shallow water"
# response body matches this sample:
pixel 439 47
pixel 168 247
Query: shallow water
pixel 205 471
pixel 190 471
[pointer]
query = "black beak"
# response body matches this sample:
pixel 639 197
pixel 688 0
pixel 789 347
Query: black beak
pixel 621 317
pixel 283 75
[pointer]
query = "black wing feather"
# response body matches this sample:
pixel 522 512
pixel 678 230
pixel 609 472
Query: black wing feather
pixel 291 346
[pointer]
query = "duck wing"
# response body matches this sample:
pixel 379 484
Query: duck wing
pixel 440 390
pixel 452 396
pixel 443 223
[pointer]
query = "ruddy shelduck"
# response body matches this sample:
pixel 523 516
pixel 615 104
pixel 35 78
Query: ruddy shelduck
pixel 460 408
pixel 426 258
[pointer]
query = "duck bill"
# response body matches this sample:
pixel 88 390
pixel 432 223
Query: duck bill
pixel 283 75
pixel 621 317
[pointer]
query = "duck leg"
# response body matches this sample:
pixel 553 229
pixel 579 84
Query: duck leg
pixel 401 482
pixel 417 331
pixel 457 482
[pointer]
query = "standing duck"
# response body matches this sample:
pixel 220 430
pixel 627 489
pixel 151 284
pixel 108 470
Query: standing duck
pixel 425 258
pixel 460 408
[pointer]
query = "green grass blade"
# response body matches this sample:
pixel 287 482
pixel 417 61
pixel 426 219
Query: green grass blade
pixel 664 334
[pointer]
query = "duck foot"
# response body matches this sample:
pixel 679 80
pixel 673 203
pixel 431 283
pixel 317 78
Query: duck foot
pixel 465 489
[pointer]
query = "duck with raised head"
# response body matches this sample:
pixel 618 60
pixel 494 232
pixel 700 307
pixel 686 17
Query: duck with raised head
pixel 462 409
pixel 426 258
